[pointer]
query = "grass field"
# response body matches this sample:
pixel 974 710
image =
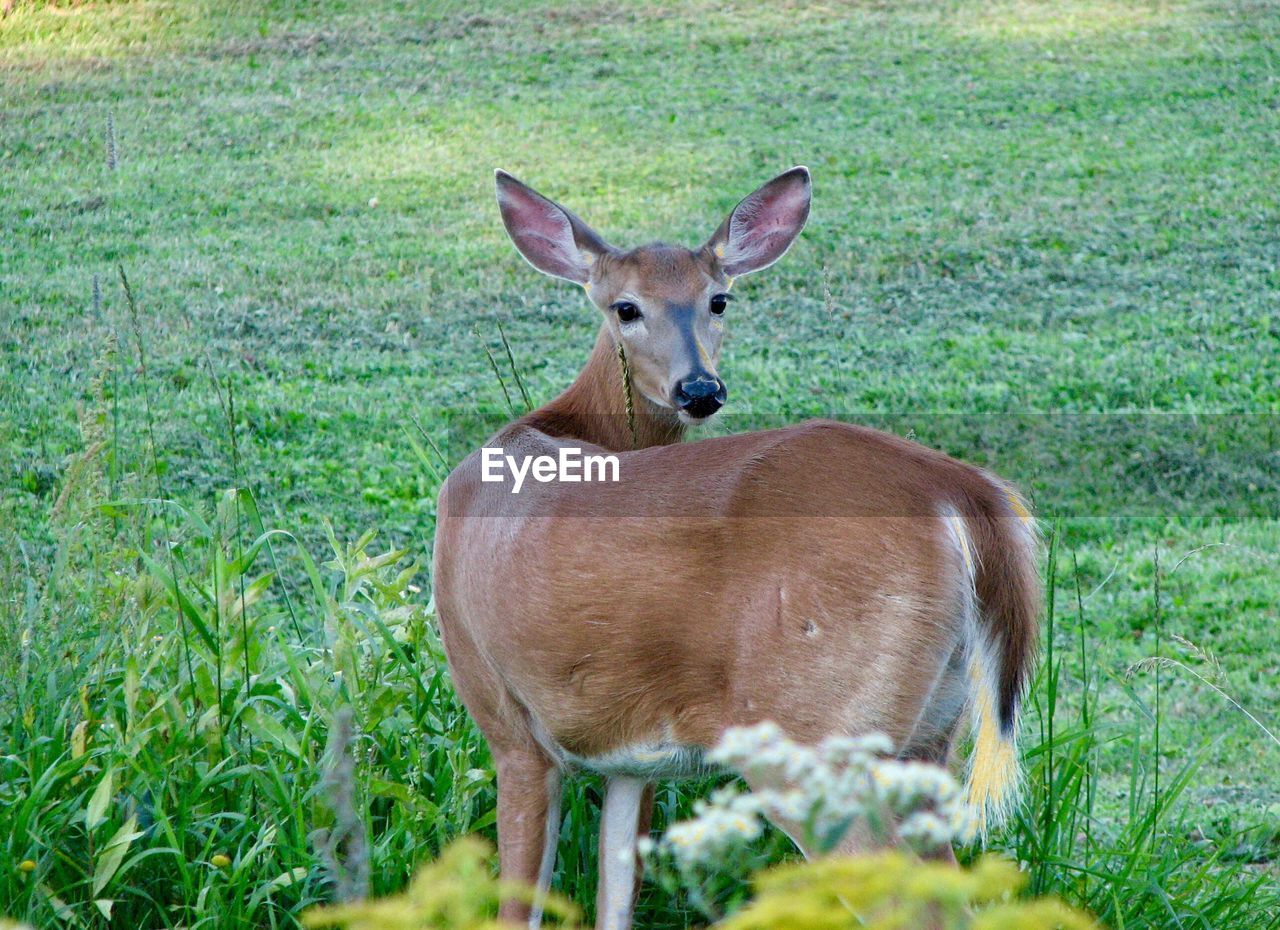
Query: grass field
pixel 1040 230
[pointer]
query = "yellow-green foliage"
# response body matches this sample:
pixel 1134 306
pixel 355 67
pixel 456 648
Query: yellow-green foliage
pixel 889 891
pixel 456 892
pixel 892 891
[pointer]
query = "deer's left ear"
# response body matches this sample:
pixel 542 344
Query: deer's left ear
pixel 763 226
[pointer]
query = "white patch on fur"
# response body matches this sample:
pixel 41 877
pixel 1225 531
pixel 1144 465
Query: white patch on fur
pixel 967 581
pixel 656 760
pixel 651 761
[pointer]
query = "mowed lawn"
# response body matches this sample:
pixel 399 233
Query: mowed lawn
pixel 1063 216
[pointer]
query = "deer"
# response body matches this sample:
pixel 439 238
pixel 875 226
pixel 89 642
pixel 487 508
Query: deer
pixel 826 577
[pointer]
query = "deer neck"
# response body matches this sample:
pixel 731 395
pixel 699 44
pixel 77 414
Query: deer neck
pixel 594 408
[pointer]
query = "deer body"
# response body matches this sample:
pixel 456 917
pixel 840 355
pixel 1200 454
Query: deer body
pixel 830 578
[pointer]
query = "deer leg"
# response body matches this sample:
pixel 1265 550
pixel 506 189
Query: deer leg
pixel 643 828
pixel 619 823
pixel 550 840
pixel 528 826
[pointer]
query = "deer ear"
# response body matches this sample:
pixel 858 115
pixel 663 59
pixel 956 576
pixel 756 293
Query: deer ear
pixel 763 226
pixel 550 238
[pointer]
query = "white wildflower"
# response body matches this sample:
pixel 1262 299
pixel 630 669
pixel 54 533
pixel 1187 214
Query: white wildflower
pixel 823 788
pixel 926 828
pixel 725 822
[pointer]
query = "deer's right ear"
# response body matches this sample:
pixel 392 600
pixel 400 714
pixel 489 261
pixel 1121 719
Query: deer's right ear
pixel 550 238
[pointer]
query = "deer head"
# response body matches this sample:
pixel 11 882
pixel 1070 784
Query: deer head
pixel 664 304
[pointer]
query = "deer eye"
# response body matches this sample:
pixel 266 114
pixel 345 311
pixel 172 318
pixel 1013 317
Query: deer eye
pixel 626 310
pixel 719 302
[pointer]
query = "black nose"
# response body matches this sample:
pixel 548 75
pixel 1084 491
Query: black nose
pixel 700 397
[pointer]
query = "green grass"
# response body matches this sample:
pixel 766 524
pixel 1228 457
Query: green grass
pixel 1024 212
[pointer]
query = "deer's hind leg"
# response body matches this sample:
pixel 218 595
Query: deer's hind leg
pixel 529 780
pixel 529 788
pixel 936 729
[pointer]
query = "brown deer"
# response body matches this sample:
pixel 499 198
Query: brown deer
pixel 826 577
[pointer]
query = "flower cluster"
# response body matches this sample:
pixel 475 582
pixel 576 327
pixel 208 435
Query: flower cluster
pixel 819 792
pixel 722 824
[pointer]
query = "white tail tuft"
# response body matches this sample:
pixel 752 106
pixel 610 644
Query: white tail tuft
pixel 994 773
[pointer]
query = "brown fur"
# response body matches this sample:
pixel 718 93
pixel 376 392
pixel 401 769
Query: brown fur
pixel 827 577
pixel 797 575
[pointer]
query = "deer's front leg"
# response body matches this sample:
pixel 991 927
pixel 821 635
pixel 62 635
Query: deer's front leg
pixel 628 810
pixel 528 827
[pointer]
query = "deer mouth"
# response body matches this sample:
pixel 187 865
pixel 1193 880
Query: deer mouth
pixel 695 418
